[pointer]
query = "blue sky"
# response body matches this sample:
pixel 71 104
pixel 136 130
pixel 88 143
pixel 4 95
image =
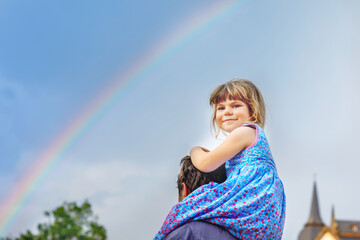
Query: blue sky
pixel 56 57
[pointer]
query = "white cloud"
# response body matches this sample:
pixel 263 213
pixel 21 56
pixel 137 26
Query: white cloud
pixel 108 185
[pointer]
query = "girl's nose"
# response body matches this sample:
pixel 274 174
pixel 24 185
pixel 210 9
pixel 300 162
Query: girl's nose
pixel 228 111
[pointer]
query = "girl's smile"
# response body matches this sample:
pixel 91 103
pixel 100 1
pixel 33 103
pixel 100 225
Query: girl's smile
pixel 231 114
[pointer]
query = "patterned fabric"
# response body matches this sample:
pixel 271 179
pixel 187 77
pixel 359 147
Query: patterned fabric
pixel 250 203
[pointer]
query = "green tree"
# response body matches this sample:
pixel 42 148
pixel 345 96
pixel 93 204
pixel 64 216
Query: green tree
pixel 68 222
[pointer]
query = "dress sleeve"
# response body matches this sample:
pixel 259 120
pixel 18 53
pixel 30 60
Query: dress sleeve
pixel 256 127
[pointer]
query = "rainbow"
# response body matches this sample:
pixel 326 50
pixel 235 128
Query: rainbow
pixel 16 200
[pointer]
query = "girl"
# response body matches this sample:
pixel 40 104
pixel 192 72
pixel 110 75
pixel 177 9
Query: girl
pixel 250 204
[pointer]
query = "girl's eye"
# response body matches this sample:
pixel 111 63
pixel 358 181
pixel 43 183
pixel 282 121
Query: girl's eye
pixel 220 108
pixel 237 105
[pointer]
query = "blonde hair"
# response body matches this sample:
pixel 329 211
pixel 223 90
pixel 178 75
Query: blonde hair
pixel 245 91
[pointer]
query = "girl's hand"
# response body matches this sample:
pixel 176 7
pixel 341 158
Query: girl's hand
pixel 205 150
pixel 237 140
pixel 197 149
pixel 197 152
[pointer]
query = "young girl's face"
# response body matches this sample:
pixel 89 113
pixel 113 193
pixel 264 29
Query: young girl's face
pixel 231 114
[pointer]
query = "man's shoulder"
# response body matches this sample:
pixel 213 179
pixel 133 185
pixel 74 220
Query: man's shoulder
pixel 199 230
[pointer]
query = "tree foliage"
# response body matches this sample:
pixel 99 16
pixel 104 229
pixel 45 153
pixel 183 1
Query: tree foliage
pixel 68 222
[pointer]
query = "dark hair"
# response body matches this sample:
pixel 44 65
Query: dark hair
pixel 194 178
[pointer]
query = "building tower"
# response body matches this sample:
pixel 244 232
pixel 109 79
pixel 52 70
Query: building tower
pixel 314 224
pixel 315 229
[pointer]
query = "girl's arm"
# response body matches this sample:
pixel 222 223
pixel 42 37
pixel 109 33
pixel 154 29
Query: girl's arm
pixel 239 139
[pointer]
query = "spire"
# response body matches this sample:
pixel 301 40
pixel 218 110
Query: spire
pixel 334 224
pixel 314 218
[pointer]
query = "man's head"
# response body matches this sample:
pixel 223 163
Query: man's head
pixel 190 178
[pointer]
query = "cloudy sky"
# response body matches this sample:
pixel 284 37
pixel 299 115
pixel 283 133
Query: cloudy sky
pixel 56 57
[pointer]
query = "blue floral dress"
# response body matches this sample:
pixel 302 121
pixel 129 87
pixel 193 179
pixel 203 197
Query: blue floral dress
pixel 250 204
